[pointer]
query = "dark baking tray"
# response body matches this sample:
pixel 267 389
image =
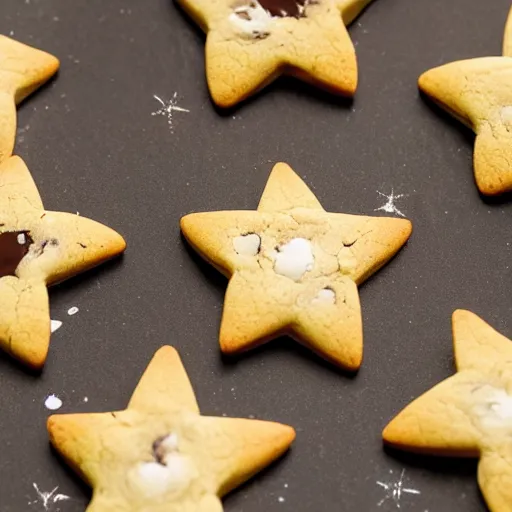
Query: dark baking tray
pixel 94 147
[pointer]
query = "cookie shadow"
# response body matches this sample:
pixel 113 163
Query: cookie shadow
pixel 9 364
pixel 86 279
pixel 496 201
pixel 84 491
pixel 466 134
pixel 466 467
pixel 192 25
pixel 282 347
pixel 40 91
pixel 267 472
pixel 208 271
pixel 288 85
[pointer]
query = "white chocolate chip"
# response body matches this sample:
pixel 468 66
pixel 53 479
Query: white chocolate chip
pixel 155 479
pixel 170 471
pixel 506 114
pixel 247 245
pixel 501 404
pixel 494 407
pixel 53 402
pixel 55 325
pixel 251 20
pixel 22 239
pixel 294 259
pixel 325 296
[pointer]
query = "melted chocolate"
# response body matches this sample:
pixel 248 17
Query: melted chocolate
pixel 12 251
pixel 284 8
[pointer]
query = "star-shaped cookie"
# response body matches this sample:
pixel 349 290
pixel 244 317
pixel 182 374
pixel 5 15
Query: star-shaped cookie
pixel 470 413
pixel 294 268
pixel 251 42
pixel 478 92
pixel 160 454
pixel 23 69
pixel 39 248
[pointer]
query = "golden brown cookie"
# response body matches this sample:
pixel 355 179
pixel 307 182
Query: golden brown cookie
pixel 251 42
pixel 478 93
pixel 470 413
pixel 160 454
pixel 294 268
pixel 23 69
pixel 39 248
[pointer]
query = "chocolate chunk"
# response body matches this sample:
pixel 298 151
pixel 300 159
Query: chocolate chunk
pixel 14 245
pixel 285 8
pixel 158 450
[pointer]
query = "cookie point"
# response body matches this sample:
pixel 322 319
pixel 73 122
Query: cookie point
pixel 392 433
pixel 222 98
pixel 460 315
pixel 184 221
pixel 228 347
pixel 396 230
pixel 405 227
pixel 166 351
pixel 50 64
pixel 289 434
pixel 354 365
pixel 37 361
pixel 427 81
pixel 491 187
pixel 54 425
pixel 35 357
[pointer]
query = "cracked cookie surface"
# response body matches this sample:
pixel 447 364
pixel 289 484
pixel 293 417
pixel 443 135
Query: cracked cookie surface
pixel 39 248
pixel 293 268
pixel 470 413
pixel 250 43
pixel 23 69
pixel 160 454
pixel 478 92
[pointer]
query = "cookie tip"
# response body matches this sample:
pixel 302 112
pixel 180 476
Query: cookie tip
pixel 392 434
pixel 458 314
pixel 54 426
pixel 33 359
pixel 166 352
pixel 289 435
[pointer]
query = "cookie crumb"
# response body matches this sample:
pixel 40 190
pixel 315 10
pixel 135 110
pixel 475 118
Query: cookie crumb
pixel 55 325
pixel 53 403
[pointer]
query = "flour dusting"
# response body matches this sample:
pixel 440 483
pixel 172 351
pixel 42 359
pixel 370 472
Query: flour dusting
pixel 395 490
pixel 47 499
pixel 390 206
pixel 168 108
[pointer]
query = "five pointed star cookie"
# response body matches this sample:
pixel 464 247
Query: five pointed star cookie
pixel 251 42
pixel 39 248
pixel 23 69
pixel 470 413
pixel 478 92
pixel 294 268
pixel 160 454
